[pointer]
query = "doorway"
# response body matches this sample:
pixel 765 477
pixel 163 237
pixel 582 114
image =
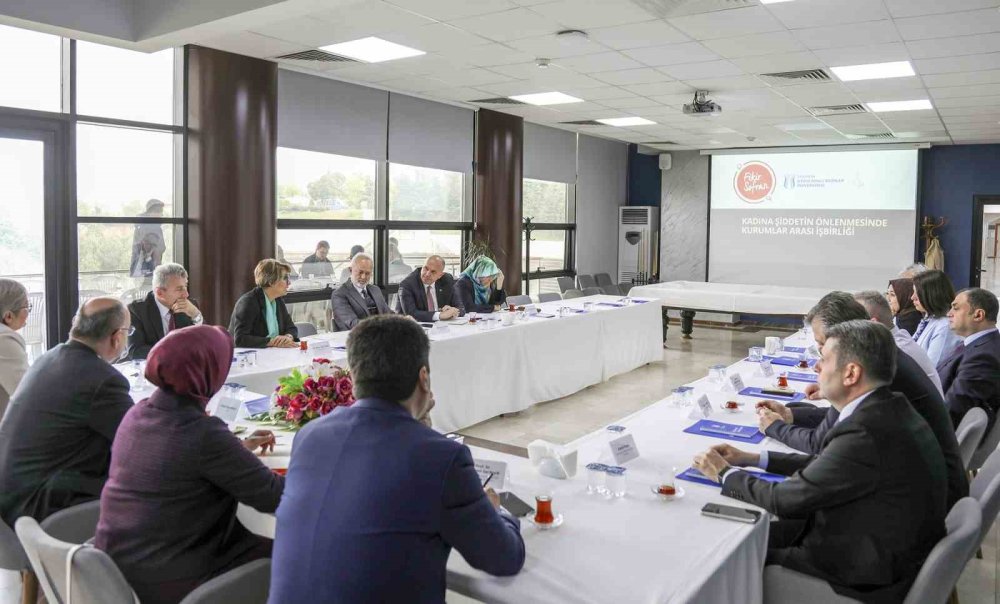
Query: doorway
pixel 986 244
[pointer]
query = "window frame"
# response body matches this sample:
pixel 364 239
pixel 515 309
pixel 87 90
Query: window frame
pixel 381 225
pixel 62 219
pixel 569 255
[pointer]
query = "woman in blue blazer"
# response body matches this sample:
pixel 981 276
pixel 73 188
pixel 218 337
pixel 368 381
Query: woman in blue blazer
pixel 933 295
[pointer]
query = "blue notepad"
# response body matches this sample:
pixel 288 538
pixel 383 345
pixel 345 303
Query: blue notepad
pixel 752 391
pixel 615 304
pixel 714 429
pixel 634 301
pixel 787 361
pixel 693 475
pixel 259 405
pixel 803 377
pixel 793 349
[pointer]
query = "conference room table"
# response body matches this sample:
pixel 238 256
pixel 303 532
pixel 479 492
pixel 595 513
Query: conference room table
pixel 690 297
pixel 479 373
pixel 637 548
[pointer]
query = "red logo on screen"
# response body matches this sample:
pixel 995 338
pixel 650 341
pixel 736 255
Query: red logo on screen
pixel 754 182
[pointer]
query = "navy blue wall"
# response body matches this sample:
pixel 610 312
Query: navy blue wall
pixel 951 177
pixel 643 178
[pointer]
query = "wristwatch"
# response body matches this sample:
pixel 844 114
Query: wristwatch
pixel 722 473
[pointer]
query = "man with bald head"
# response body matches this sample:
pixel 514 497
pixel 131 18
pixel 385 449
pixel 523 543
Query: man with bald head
pixel 426 293
pixel 55 439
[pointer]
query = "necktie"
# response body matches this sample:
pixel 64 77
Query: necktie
pixel 430 301
pixel 920 328
pixel 171 323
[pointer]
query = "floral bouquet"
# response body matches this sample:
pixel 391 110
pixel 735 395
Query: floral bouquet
pixel 302 396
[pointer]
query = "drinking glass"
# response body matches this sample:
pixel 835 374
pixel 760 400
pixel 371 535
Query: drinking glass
pixel 765 368
pixel 588 306
pixel 252 358
pixel 717 373
pixel 543 509
pixel 595 478
pixel 615 481
pixel 678 397
pixel 140 377
pixel 756 354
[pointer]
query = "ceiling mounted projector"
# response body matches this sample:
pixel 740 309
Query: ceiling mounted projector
pixel 701 105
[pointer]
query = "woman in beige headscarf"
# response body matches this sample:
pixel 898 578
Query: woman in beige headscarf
pixel 14 311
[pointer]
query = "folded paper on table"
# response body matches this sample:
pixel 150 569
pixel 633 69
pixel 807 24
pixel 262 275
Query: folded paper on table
pixel 713 429
pixel 258 405
pixel 757 392
pixel 803 377
pixel 693 475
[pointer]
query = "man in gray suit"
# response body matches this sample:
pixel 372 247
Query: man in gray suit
pixel 357 299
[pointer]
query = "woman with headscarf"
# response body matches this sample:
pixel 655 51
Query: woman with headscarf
pixel 480 287
pixel 906 316
pixel 168 510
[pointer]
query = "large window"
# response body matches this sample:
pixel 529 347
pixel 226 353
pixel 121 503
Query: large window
pixel 547 244
pixel 99 224
pixel 321 186
pixel 425 194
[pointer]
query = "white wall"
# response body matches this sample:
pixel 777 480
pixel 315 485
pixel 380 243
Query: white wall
pixel 602 181
pixel 684 218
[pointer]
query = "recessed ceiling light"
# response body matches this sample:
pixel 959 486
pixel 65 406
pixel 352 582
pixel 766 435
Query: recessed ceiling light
pixel 546 98
pixel 874 71
pixel 372 50
pixel 900 105
pixel 626 121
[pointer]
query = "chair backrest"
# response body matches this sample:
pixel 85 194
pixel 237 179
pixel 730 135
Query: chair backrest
pixel 970 434
pixel 985 489
pixel 624 288
pixel 519 300
pixel 246 584
pixel 987 447
pixel 603 279
pixel 592 291
pixel 12 556
pixel 95 578
pixel 565 283
pixel 306 329
pixel 569 294
pixel 75 524
pixel 611 290
pixel 585 281
pixel 549 297
pixel 944 565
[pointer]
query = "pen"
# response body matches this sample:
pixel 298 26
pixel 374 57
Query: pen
pixel 488 479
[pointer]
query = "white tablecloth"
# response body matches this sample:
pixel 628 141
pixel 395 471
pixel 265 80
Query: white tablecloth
pixel 477 375
pixel 633 549
pixel 732 297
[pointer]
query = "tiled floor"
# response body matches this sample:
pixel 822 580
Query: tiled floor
pixel 684 360
pixel 565 419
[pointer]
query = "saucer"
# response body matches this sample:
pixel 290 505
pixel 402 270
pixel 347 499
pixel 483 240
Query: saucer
pixel 556 523
pixel 678 495
pixel 728 410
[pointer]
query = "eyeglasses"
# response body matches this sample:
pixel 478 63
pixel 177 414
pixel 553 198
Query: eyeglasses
pixel 130 329
pixel 28 308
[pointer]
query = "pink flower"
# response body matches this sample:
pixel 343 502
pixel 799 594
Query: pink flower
pixel 345 387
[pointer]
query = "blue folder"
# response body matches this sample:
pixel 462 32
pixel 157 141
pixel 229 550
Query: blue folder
pixel 714 429
pixel 753 391
pixel 615 304
pixel 793 349
pixel 803 377
pixel 693 475
pixel 787 361
pixel 259 405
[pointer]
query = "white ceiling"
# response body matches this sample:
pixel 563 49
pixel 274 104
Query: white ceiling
pixel 647 57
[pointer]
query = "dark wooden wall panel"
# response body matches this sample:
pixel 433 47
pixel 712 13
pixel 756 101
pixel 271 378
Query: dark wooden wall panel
pixel 231 146
pixel 499 154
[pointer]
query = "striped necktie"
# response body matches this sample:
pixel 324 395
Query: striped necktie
pixel 920 328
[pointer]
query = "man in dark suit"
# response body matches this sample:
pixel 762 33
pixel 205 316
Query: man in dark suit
pixel 164 309
pixel 805 428
pixel 375 500
pixel 970 374
pixel 864 513
pixel 55 439
pixel 318 264
pixel 425 294
pixel 357 298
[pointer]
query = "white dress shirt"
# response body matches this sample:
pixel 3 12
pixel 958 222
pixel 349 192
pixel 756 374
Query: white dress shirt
pixel 970 339
pixel 907 346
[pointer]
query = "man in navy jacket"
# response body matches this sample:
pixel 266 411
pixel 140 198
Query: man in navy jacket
pixel 374 499
pixel 970 374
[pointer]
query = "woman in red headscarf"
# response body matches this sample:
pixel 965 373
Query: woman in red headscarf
pixel 168 510
pixel 907 316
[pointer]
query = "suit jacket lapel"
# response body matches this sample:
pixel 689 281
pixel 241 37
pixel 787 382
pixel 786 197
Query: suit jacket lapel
pixel 153 316
pixel 946 366
pixel 358 300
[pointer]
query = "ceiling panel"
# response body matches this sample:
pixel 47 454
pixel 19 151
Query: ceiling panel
pixel 911 8
pixel 637 35
pixel 592 13
pixel 626 103
pixel 957 45
pixel 949 24
pixel 444 10
pixel 701 71
pixel 509 25
pixel 867 53
pixel 254 45
pixel 962 79
pixel 962 91
pixel 755 44
pixel 487 55
pixel 956 64
pixel 781 62
pixel 727 23
pixel 671 54
pixel 856 34
pixel 605 61
pixel 644 75
pixel 726 84
pixel 368 18
pixel 658 88
pixel 816 13
pixel 555 47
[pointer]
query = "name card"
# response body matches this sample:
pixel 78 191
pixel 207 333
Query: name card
pixel 736 381
pixel 623 449
pixel 228 409
pixel 703 408
pixel 319 344
pixel 766 370
pixel 486 468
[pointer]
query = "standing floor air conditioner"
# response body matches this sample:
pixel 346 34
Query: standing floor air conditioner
pixel 638 233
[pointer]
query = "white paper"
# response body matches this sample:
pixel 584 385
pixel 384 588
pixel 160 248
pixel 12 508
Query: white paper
pixel 485 468
pixel 703 410
pixel 228 409
pixel 623 449
pixel 736 381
